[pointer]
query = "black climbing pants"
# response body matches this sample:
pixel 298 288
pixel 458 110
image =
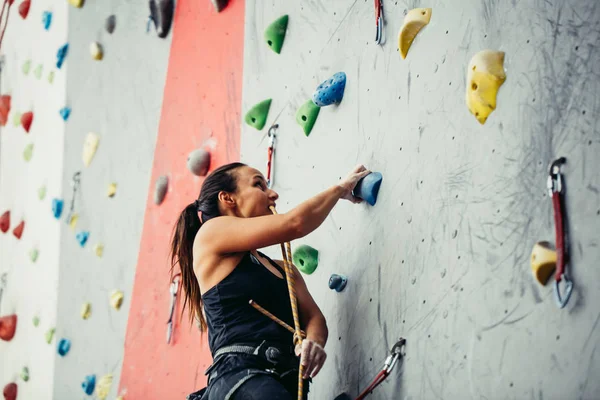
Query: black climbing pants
pixel 237 376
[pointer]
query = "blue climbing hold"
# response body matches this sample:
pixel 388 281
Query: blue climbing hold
pixel 331 91
pixel 61 54
pixel 64 345
pixel 367 188
pixel 337 282
pixel 89 384
pixel 47 19
pixel 82 237
pixel 57 207
pixel 65 112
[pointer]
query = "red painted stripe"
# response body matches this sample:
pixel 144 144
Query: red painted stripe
pixel 202 100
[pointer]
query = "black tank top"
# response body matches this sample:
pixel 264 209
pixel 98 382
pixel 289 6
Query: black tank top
pixel 229 315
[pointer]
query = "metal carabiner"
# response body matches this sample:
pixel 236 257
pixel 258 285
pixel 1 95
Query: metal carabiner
pixel 396 353
pixel 554 183
pixel 562 300
pixel 173 291
pixel 378 21
pixel 75 183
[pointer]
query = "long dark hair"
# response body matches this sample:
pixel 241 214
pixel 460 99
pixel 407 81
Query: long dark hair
pixel 186 228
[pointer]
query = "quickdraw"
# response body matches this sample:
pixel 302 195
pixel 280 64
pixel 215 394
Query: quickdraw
pixel 173 289
pixel 75 182
pixel 555 188
pixel 5 25
pixel 378 21
pixel 395 353
pixel 270 151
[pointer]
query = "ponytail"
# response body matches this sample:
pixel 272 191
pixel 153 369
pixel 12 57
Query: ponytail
pixel 187 226
pixel 182 253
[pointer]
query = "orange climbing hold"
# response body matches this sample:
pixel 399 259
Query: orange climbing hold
pixel 4 109
pixel 8 326
pixel 26 120
pixel 10 391
pixel 24 8
pixel 5 221
pixel 18 231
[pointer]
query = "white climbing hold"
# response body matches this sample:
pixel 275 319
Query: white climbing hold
pixel 198 162
pixel 160 189
pixel 89 148
pixel 103 386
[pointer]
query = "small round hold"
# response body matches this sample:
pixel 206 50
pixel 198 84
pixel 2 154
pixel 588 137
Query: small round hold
pixel 337 282
pixel 64 345
pixel 110 24
pixel 96 51
pixel 160 189
pixel 198 162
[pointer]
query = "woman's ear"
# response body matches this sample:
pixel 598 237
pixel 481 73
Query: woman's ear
pixel 226 199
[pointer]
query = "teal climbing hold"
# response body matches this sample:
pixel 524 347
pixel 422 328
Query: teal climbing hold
pixel 367 188
pixel 331 91
pixel 89 384
pixel 306 258
pixel 64 113
pixel 256 117
pixel 306 116
pixel 337 282
pixel 275 33
pixel 82 237
pixel 47 19
pixel 64 345
pixel 57 207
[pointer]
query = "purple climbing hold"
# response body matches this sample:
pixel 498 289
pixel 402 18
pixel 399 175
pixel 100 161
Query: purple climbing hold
pixel 64 345
pixel 57 207
pixel 82 237
pixel 331 91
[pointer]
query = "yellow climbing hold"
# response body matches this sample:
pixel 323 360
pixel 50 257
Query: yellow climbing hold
pixel 17 118
pixel 103 386
pixel 76 3
pixel 116 299
pixel 112 189
pixel 543 262
pixel 50 335
pixel 96 51
pixel 414 21
pixel 42 192
pixel 86 310
pixel 73 221
pixel 89 148
pixel 99 249
pixel 485 76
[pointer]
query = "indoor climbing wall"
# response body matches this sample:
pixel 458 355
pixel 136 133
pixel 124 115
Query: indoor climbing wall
pixel 443 256
pixel 110 137
pixel 31 157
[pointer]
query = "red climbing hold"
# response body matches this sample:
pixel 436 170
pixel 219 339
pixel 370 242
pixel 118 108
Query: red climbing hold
pixel 4 109
pixel 18 231
pixel 26 120
pixel 8 326
pixel 10 391
pixel 24 8
pixel 5 221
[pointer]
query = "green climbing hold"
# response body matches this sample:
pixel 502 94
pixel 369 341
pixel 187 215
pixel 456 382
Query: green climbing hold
pixel 33 254
pixel 17 119
pixel 28 152
pixel 275 33
pixel 307 116
pixel 42 192
pixel 25 374
pixel 26 67
pixel 306 259
pixel 50 335
pixel 36 320
pixel 257 116
pixel 37 72
pixel 51 77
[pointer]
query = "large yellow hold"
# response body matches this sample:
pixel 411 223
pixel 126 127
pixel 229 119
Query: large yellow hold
pixel 485 76
pixel 543 262
pixel 414 21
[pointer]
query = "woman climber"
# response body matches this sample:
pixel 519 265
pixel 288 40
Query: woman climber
pixel 215 244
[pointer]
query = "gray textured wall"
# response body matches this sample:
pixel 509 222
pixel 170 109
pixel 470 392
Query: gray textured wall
pixel 443 258
pixel 120 99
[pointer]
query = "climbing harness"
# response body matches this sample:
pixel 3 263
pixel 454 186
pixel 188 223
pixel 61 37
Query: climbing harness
pixel 555 189
pixel 378 21
pixel 173 289
pixel 395 354
pixel 75 182
pixel 270 151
